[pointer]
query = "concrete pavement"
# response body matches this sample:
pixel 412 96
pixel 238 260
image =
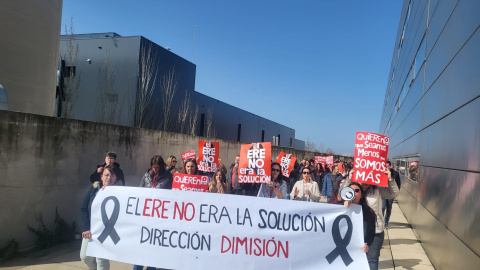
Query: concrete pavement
pixel 401 250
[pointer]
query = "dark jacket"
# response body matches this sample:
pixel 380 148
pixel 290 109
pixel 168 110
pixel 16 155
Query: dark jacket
pixel 95 176
pixel 87 206
pixel 396 177
pixel 369 224
pixel 163 181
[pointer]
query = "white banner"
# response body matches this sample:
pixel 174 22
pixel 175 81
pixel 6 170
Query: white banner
pixel 195 230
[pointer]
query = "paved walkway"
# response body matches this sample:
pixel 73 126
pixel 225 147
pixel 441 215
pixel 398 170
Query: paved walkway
pixel 401 250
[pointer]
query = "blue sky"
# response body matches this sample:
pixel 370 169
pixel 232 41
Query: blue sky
pixel 320 67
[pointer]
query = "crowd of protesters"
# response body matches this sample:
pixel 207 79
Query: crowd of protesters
pixel 307 182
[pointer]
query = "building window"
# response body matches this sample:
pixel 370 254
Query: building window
pixel 278 139
pixel 291 142
pixel 263 135
pixel 70 71
pixel 408 167
pixel 420 57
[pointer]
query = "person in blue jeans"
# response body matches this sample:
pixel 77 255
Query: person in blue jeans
pixel 387 203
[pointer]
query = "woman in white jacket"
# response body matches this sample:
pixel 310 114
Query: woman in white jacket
pixel 305 189
pixel 375 196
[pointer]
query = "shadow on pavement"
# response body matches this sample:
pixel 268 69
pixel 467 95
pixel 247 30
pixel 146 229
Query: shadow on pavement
pixel 407 264
pixel 53 254
pixel 403 242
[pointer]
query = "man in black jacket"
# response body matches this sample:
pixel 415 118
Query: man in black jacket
pixel 109 161
pixel 387 203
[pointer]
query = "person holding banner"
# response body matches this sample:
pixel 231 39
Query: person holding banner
pixel 109 177
pixel 305 189
pixel 368 214
pixel 374 196
pixel 157 176
pixel 277 187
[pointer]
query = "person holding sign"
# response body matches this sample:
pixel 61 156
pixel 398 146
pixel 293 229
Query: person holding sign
pixel 305 189
pixel 374 196
pixel 277 187
pixel 108 177
pixel 368 215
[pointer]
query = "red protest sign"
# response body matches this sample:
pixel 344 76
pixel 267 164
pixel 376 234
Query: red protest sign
pixel 255 163
pixel 321 160
pixel 370 158
pixel 190 182
pixel 189 154
pixel 329 161
pixel 286 161
pixel 208 153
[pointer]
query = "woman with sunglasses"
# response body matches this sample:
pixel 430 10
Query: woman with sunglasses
pixel 171 163
pixel 305 189
pixel 374 196
pixel 277 187
pixel 368 215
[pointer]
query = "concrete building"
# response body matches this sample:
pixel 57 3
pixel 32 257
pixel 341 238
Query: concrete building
pixel 432 115
pixel 125 80
pixel 29 40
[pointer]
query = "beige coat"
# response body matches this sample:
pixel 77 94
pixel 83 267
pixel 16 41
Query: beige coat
pixel 301 186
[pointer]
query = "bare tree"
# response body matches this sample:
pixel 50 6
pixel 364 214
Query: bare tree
pixel 183 112
pixel 169 88
pixel 310 146
pixel 193 121
pixel 108 109
pixel 147 69
pixel 329 151
pixel 69 95
pixel 210 126
pixel 320 148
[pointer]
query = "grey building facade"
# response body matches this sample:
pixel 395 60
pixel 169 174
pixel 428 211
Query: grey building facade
pixel 29 41
pixel 125 81
pixel 432 115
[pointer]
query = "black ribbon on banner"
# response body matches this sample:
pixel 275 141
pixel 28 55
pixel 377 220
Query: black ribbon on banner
pixel 341 249
pixel 110 222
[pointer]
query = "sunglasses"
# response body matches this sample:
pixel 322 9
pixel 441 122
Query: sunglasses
pixel 305 172
pixel 356 189
pixel 276 170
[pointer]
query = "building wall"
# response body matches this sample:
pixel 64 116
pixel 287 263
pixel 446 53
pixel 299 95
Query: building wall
pixel 227 118
pixel 432 114
pixel 121 56
pixel 45 163
pixel 29 38
pixel 125 54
